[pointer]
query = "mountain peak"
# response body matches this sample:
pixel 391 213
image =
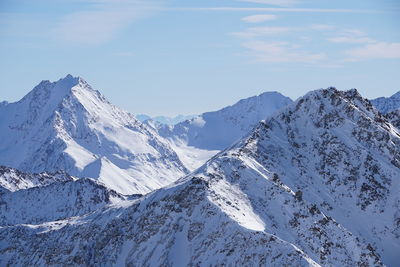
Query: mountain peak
pixel 48 93
pixel 267 98
pixel 387 104
pixel 219 129
pixel 69 79
pixel 332 93
pixel 69 76
pixel 46 88
pixel 68 125
pixel 72 80
pixel 271 93
pixel 331 98
pixel 307 178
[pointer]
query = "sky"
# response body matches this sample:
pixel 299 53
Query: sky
pixel 168 57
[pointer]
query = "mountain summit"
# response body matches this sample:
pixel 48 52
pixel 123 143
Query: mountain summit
pixel 198 139
pixel 317 184
pixel 67 125
pixel 219 129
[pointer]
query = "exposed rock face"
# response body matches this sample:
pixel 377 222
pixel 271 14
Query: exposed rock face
pixel 316 185
pixel 57 201
pixel 394 118
pixel 13 179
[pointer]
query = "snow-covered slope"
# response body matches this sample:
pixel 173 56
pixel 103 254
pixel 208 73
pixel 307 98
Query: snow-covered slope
pixel 164 119
pixel 343 156
pixel 219 129
pixel 56 201
pixel 316 185
pixel 198 139
pixel 13 179
pixel 387 104
pixel 66 125
pixel 199 222
pixel 206 219
pixel 394 117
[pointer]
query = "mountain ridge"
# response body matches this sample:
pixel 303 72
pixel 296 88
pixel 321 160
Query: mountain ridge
pixel 387 104
pixel 263 200
pixel 13 180
pixel 233 121
pixel 67 125
pixel 201 137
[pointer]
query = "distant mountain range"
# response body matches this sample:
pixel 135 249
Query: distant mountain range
pixel 273 182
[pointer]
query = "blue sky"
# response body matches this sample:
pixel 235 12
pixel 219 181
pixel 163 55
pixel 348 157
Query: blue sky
pixel 165 57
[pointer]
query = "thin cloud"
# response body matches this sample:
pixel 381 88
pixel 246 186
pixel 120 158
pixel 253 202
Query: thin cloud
pixel 273 51
pixel 351 40
pixel 274 9
pixel 351 36
pixel 91 27
pixel 378 50
pixel 322 27
pixel 103 22
pixel 280 52
pixel 285 3
pixel 260 31
pixel 259 18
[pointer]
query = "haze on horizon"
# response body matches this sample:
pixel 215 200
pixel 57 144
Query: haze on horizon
pixel 168 57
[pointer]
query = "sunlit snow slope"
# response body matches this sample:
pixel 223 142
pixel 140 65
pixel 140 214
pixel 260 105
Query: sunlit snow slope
pixel 317 184
pixel 197 139
pixel 67 125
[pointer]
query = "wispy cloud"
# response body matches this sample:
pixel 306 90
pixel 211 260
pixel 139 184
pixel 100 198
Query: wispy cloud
pixel 103 21
pixel 370 48
pixel 280 52
pixel 351 36
pixel 259 18
pixel 322 27
pixel 262 45
pixel 275 9
pixel 260 31
pixel 378 50
pixel 274 2
pixel 351 40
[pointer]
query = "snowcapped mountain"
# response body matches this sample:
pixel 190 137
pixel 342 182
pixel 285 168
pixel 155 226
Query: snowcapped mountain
pixel 198 139
pixel 219 129
pixel 55 202
pixel 317 184
pixel 67 125
pixel 394 117
pixel 37 198
pixel 13 179
pixel 342 155
pixel 164 119
pixel 387 104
